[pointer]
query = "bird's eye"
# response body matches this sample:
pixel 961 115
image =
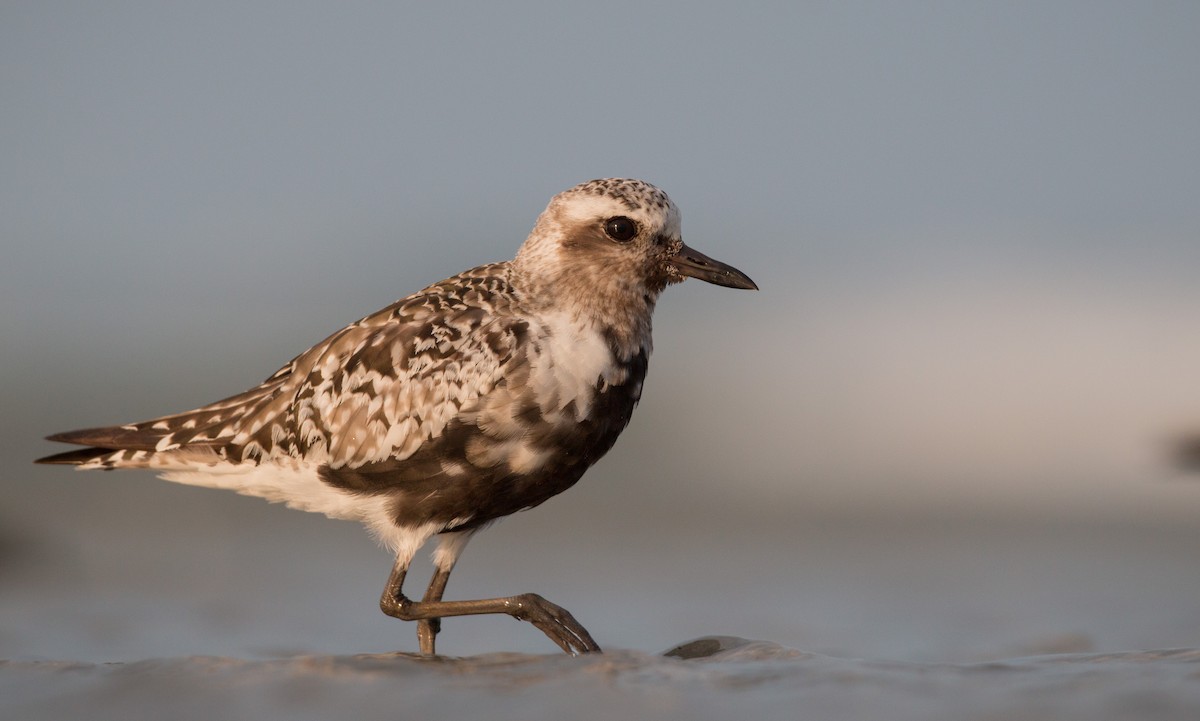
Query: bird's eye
pixel 620 229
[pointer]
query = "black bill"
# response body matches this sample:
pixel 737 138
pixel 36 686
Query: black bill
pixel 695 264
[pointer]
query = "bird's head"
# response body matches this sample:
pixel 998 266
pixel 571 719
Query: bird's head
pixel 614 242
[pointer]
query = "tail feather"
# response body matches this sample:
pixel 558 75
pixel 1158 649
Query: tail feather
pixel 77 457
pixel 201 435
pixel 110 458
pixel 111 437
pixel 104 458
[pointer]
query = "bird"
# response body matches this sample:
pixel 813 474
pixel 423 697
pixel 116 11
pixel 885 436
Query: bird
pixel 481 395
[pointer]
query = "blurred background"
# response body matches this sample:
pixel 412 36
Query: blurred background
pixel 951 425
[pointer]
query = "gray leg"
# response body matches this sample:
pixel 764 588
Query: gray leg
pixel 554 621
pixel 428 628
pixel 450 547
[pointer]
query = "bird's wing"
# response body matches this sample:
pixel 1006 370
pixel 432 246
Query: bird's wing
pixel 377 389
pixel 385 394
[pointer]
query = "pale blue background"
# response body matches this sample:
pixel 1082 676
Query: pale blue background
pixel 975 226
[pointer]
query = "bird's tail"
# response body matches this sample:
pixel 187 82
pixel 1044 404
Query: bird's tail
pixel 88 458
pixel 102 456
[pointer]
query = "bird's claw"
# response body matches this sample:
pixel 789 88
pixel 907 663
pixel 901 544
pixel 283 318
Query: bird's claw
pixel 556 622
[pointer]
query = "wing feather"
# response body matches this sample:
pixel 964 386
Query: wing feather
pixel 375 390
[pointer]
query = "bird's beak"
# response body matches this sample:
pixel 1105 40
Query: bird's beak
pixel 695 264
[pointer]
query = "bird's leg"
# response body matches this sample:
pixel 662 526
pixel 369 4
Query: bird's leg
pixel 554 621
pixel 450 547
pixel 393 599
pixel 428 628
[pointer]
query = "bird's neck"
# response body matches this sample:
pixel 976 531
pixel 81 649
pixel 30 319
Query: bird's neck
pixel 617 309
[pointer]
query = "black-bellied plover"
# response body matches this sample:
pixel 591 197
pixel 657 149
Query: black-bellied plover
pixel 479 396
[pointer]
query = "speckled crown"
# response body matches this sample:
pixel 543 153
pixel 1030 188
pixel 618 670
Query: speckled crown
pixel 634 194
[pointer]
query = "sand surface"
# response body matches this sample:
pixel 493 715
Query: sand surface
pixel 870 620
pixel 718 678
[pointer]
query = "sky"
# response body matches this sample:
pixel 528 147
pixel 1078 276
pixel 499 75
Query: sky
pixel 974 225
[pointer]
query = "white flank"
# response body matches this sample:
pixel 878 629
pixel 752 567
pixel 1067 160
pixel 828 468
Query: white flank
pixel 297 486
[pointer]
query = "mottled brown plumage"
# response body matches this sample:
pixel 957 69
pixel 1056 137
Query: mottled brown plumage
pixel 477 397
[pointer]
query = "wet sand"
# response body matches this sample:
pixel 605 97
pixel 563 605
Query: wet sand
pixel 718 678
pixel 872 619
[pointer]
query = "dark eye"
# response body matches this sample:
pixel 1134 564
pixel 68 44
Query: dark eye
pixel 620 229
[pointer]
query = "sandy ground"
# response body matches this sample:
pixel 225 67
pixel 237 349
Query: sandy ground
pixel 238 609
pixel 718 678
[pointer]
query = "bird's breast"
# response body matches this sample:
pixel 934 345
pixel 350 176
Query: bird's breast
pixel 573 363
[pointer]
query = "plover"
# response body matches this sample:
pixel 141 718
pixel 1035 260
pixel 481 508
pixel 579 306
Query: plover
pixel 479 396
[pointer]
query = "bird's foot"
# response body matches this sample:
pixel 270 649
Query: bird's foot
pixel 553 620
